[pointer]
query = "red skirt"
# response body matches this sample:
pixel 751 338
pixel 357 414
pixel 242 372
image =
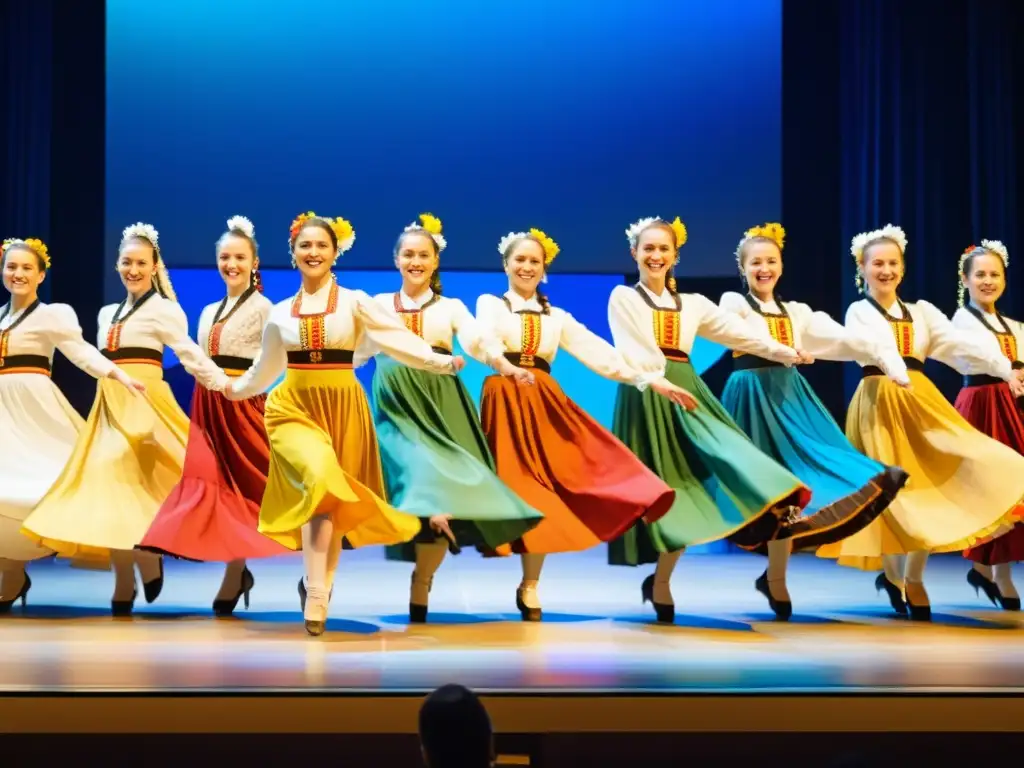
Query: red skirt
pixel 213 512
pixel 588 485
pixel 991 408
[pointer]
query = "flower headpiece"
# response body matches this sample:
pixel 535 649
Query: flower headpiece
pixel 432 226
pixel 161 279
pixel 342 229
pixel 859 242
pixel 550 246
pixel 770 231
pixel 243 225
pixel 633 233
pixel 146 231
pixel 992 246
pixel 34 244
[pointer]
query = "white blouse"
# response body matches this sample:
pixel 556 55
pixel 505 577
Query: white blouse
pixel 633 325
pixel 157 323
pixel 933 337
pixel 49 327
pixel 356 316
pixel 242 334
pixel 984 333
pixel 558 329
pixel 437 320
pixel 816 333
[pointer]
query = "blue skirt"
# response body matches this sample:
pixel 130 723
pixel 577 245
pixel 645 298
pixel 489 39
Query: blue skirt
pixel 777 408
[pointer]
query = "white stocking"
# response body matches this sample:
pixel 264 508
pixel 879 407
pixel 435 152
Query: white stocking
pixel 1004 580
pixel 532 563
pixel 894 567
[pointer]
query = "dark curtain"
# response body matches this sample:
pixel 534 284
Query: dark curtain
pixel 26 71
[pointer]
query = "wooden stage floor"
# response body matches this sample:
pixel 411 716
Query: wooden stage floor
pixel 596 645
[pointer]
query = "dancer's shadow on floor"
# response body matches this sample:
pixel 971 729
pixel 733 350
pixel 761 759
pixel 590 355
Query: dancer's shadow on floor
pixel 686 621
pixel 444 619
pixel 274 622
pixel 939 619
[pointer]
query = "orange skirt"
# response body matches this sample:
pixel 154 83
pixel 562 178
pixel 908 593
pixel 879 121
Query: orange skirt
pixel 588 485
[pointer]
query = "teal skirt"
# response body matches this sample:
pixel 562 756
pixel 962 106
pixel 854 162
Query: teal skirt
pixel 778 409
pixel 726 488
pixel 436 460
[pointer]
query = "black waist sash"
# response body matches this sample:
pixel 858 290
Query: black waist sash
pixel 320 358
pixel 230 363
pixel 675 355
pixel 25 364
pixel 753 362
pixel 913 364
pixel 128 355
pixel 529 361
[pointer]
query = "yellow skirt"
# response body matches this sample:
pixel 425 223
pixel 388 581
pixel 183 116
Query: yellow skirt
pixel 964 486
pixel 324 459
pixel 127 459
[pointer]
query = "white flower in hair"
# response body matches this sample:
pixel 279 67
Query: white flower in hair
pixel 438 237
pixel 243 225
pixel 506 242
pixel 140 229
pixel 889 232
pixel 633 233
pixel 997 247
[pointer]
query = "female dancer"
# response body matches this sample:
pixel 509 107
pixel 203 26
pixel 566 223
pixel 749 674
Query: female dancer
pixel 38 426
pixel 213 512
pixel 988 404
pixel 548 450
pixel 324 484
pixel 778 409
pixel 129 455
pixel 725 487
pixel 966 487
pixel 433 449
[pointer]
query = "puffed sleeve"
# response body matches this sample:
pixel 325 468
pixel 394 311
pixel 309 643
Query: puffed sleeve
pixel 729 330
pixel 66 335
pixel 631 332
pixel 957 349
pixel 390 335
pixel 600 356
pixel 172 330
pixel 735 303
pixel 269 364
pixel 480 343
pixel 826 339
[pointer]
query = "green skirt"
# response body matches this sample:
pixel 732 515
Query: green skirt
pixel 726 488
pixel 436 460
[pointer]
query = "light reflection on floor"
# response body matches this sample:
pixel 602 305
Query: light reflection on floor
pixel 596 636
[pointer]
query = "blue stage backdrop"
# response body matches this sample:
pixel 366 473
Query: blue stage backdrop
pixel 575 116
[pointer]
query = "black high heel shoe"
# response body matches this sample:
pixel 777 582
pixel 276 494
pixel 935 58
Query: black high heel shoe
pixel 895 594
pixel 919 612
pixel 664 612
pixel 528 613
pixel 417 612
pixel 226 606
pixel 992 592
pixel 124 607
pixel 783 608
pixel 151 589
pixel 6 605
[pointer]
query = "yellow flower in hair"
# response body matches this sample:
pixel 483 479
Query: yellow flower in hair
pixel 772 231
pixel 431 223
pixel 343 230
pixel 37 245
pixel 680 229
pixel 550 246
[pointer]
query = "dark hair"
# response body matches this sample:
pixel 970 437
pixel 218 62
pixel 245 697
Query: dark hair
pixel 315 221
pixel 979 250
pixel 455 729
pixel 255 280
pixel 435 279
pixel 542 299
pixel 24 247
pixel 670 278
